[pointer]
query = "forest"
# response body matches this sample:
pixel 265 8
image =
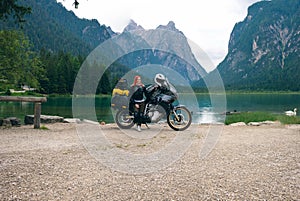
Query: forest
pixel 38 52
pixel 47 72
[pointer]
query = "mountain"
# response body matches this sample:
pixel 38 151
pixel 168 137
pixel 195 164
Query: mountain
pixel 170 26
pixel 52 27
pixel 133 26
pixel 165 45
pixel 263 51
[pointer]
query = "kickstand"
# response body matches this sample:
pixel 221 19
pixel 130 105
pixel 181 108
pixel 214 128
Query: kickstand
pixel 147 125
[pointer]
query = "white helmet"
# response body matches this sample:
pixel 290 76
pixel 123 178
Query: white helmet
pixel 160 79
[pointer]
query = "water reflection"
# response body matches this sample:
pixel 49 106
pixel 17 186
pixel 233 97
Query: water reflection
pixel 206 115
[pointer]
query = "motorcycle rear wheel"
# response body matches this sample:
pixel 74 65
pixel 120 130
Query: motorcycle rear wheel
pixel 124 120
pixel 184 119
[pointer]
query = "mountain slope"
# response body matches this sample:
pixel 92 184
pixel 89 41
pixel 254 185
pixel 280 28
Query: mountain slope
pixel 52 27
pixel 263 51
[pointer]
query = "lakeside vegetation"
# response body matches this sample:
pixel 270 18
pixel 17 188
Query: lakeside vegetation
pixel 25 93
pixel 248 117
pixel 261 92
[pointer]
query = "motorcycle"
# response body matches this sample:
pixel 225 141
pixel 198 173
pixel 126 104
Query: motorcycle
pixel 159 104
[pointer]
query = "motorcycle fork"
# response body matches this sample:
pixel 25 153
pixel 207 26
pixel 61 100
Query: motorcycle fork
pixel 172 109
pixel 175 114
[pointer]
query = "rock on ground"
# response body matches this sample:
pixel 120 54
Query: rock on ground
pixel 29 119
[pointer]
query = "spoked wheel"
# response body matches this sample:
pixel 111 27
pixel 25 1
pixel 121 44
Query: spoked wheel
pixel 181 120
pixel 124 120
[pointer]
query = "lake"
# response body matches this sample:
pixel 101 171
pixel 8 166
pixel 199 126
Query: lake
pixel 204 113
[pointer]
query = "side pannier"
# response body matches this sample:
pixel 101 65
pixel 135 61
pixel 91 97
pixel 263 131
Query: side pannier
pixel 120 95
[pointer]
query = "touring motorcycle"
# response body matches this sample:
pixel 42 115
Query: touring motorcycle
pixel 159 104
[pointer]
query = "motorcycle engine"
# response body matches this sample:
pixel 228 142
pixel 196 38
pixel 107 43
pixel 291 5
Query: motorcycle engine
pixel 155 114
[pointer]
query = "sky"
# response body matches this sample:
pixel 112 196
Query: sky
pixel 208 23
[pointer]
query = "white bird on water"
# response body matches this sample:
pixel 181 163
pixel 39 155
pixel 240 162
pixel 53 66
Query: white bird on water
pixel 291 113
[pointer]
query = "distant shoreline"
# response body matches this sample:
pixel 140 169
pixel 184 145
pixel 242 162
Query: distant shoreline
pixel 109 95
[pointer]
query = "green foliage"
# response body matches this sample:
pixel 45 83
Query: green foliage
pixel 27 93
pixel 61 70
pixel 18 64
pixel 247 117
pixel 11 8
pixel 56 36
pixel 52 27
pixel 288 119
pixel 50 73
pixel 7 93
pixel 44 127
pixel 104 86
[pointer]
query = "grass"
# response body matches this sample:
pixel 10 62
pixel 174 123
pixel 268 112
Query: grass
pixel 259 117
pixel 288 120
pixel 44 128
pixel 27 93
pixel 260 92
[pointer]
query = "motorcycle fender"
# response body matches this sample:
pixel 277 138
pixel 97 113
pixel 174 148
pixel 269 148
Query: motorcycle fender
pixel 177 106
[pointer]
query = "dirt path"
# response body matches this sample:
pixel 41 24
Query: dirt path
pixel 247 163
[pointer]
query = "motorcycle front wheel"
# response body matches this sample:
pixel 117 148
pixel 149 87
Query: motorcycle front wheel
pixel 124 120
pixel 181 120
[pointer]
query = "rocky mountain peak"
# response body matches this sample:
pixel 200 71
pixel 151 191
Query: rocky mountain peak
pixel 133 26
pixel 161 39
pixel 170 26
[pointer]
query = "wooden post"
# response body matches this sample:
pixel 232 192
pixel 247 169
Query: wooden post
pixel 37 115
pixel 37 106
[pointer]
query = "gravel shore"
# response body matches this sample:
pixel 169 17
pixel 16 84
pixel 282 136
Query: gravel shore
pixel 247 163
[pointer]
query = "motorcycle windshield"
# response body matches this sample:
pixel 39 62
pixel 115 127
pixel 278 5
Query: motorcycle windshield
pixel 171 88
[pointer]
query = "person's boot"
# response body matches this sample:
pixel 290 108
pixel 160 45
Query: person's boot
pixel 139 128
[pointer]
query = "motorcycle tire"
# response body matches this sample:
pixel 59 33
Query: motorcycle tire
pixel 184 121
pixel 122 119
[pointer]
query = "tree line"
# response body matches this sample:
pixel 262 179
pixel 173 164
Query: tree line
pixel 46 71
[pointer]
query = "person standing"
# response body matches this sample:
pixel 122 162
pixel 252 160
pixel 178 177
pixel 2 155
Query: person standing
pixel 137 100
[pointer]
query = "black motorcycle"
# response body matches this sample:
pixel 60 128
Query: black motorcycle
pixel 158 104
